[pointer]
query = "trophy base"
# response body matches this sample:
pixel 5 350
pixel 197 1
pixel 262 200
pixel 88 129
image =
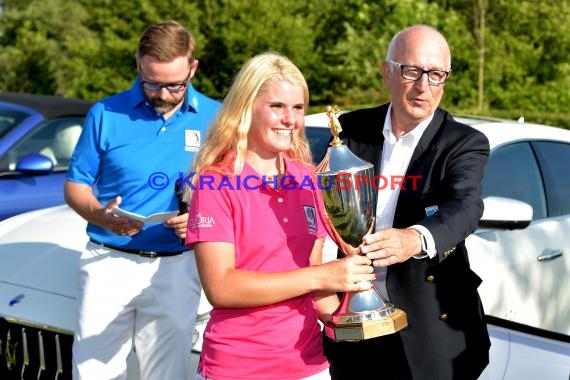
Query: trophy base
pixel 350 332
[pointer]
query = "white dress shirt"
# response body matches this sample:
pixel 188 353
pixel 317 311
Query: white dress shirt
pixel 396 156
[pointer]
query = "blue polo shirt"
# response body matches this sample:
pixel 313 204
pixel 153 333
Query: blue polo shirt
pixel 128 149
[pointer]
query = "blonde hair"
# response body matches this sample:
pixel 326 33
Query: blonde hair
pixel 225 145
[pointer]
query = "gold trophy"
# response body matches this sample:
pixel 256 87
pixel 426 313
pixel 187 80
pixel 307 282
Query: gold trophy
pixel 347 200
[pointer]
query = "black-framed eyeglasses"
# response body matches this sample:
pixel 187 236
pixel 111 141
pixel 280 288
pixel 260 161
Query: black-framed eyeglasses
pixel 409 72
pixel 170 87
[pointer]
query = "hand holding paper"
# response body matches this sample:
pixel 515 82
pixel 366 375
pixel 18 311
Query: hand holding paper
pixel 154 218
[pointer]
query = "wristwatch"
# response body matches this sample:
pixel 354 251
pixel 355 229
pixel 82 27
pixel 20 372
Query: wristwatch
pixel 423 240
pixel 423 254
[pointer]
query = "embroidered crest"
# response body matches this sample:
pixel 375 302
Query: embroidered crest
pixel 191 140
pixel 311 217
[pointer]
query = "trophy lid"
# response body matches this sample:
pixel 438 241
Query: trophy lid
pixel 339 158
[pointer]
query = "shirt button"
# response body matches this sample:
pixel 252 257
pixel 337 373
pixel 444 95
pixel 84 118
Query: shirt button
pixel 163 129
pixel 443 317
pixel 285 220
pixel 430 279
pixel 279 200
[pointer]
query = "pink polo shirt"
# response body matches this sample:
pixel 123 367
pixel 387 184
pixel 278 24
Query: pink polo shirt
pixel 272 230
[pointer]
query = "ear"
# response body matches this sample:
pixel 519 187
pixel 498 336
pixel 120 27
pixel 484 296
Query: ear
pixel 386 71
pixel 193 68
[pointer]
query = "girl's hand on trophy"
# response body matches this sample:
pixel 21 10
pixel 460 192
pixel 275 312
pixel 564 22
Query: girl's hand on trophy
pixel 349 274
pixel 390 246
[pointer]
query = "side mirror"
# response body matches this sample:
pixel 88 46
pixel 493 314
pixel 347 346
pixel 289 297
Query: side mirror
pixel 35 163
pixel 505 213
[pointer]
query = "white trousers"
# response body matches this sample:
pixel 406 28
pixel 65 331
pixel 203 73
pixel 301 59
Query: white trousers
pixel 126 300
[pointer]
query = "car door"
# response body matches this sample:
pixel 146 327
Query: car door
pixel 30 190
pixel 518 355
pixel 524 271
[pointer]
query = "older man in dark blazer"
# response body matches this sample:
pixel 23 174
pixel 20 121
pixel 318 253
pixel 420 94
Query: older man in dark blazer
pixel 430 169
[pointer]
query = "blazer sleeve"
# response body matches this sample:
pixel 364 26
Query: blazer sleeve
pixel 451 173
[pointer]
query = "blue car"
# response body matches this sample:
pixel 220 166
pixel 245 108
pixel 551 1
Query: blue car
pixel 37 136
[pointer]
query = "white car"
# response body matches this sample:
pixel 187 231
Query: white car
pixel 522 247
pixel 521 251
pixel 39 252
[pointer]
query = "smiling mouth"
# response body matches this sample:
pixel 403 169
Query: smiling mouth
pixel 283 132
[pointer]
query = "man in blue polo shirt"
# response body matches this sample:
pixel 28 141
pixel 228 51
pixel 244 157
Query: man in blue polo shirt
pixel 137 284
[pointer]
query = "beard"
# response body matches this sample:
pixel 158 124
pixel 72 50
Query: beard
pixel 163 106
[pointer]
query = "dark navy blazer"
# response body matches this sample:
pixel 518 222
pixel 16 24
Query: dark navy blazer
pixel 446 337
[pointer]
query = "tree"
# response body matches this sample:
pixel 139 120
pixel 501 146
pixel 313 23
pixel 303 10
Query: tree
pixel 238 29
pixel 39 41
pixel 480 33
pixel 507 57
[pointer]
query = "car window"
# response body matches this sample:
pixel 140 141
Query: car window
pixel 319 139
pixel 512 172
pixel 9 119
pixel 55 139
pixel 554 158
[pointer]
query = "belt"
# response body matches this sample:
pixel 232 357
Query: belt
pixel 139 252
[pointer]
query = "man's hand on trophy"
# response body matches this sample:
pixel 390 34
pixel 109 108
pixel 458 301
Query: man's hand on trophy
pixel 391 246
pixel 349 274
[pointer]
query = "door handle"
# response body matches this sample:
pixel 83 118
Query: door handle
pixel 550 254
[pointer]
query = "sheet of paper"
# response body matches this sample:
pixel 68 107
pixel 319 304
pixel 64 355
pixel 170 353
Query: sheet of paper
pixel 154 218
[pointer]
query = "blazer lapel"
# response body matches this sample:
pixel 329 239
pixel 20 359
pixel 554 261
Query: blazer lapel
pixel 418 167
pixel 426 139
pixel 372 150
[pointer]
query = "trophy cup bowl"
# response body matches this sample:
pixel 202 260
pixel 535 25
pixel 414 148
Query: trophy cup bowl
pixel 346 199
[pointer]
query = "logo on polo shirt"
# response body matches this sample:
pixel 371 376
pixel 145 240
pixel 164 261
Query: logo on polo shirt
pixel 191 140
pixel 200 221
pixel 311 218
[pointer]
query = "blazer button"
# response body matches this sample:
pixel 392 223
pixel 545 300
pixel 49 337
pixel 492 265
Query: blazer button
pixel 430 278
pixel 443 317
pixel 448 252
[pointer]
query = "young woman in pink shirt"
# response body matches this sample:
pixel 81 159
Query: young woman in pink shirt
pixel 258 237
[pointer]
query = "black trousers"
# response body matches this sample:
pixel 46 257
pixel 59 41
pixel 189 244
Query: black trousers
pixel 381 358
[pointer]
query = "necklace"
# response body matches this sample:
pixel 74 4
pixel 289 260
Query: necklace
pixel 273 171
pixel 280 172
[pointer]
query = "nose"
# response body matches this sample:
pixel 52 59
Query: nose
pixel 163 93
pixel 288 116
pixel 423 82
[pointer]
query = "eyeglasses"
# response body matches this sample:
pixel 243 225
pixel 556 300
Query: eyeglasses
pixel 170 87
pixel 409 72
